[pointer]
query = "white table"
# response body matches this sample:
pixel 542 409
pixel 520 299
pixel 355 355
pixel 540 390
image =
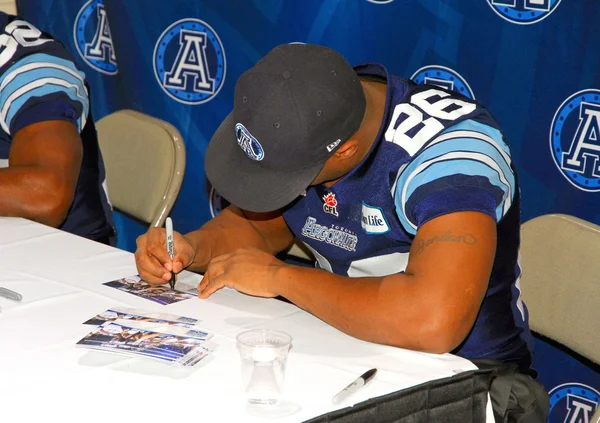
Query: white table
pixel 43 375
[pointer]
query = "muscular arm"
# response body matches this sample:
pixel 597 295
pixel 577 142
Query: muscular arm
pixel 430 307
pixel 45 159
pixel 233 229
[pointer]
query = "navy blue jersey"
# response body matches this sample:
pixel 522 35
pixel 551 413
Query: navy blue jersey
pixel 39 82
pixel 437 152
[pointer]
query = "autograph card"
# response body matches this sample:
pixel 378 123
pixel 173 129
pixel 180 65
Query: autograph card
pixel 167 347
pixel 133 314
pixel 161 294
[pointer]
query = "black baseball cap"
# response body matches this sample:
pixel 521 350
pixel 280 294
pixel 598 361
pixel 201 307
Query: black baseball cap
pixel 291 111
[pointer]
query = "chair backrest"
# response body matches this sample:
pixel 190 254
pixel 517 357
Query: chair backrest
pixel 144 159
pixel 560 281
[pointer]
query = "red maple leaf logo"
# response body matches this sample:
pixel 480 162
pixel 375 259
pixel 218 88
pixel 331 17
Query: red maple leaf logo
pixel 330 199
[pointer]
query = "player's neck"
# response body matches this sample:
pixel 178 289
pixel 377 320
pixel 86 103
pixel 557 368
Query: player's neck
pixel 375 95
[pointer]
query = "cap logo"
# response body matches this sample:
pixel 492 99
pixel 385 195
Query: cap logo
pixel 333 145
pixel 248 143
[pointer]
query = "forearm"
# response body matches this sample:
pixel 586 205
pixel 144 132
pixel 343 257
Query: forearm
pixel 33 193
pixel 386 310
pixel 231 230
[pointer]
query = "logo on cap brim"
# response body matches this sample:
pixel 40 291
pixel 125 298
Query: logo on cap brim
pixel 248 143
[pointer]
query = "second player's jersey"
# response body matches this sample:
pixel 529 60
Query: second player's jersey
pixel 437 153
pixel 40 82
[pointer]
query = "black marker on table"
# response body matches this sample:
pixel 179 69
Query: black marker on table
pixel 354 386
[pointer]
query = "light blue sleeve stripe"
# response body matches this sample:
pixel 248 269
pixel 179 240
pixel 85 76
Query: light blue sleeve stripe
pixel 471 125
pixel 76 94
pixel 41 58
pixel 456 145
pixel 40 92
pixel 466 167
pixel 33 68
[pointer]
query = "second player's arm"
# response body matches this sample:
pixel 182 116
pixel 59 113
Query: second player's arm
pixel 45 159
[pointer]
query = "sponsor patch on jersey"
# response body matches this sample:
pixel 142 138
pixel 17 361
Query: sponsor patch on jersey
pixel 330 204
pixel 373 220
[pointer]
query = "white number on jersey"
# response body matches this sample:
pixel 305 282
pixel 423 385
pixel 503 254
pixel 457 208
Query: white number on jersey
pixel 19 33
pixel 397 133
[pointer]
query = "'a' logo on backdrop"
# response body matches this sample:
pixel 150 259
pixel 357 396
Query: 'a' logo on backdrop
pixel 572 403
pixel 443 77
pixel 93 39
pixel 575 139
pixel 189 61
pixel 523 12
pixel 216 202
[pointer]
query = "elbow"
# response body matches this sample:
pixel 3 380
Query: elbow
pixel 55 214
pixel 51 206
pixel 441 344
pixel 52 211
pixel 441 335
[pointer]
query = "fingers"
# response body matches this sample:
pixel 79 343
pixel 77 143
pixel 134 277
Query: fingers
pixel 184 253
pixel 213 277
pixel 157 247
pixel 213 284
pixel 150 258
pixel 150 276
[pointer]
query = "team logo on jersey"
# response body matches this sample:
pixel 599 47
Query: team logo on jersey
pixel 523 12
pixel 443 77
pixel 248 143
pixel 337 236
pixel 91 33
pixel 373 220
pixel 572 403
pixel 189 61
pixel 330 204
pixel 575 139
pixel 216 202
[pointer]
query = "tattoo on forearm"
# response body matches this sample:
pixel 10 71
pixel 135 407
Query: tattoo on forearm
pixel 468 239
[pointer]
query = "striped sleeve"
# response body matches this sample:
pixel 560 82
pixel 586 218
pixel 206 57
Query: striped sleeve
pixel 466 168
pixel 42 87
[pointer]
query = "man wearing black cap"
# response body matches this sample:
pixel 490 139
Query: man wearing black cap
pixel 405 194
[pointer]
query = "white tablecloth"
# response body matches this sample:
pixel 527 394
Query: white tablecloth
pixel 43 376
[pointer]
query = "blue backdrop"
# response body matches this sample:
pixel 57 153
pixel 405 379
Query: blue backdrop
pixel 533 63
